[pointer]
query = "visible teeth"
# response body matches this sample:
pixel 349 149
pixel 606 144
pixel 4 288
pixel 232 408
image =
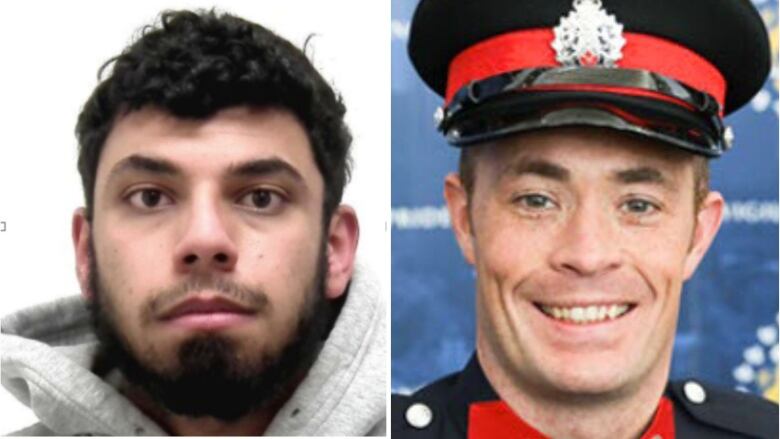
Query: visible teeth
pixel 589 314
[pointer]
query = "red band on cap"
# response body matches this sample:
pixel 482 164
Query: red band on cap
pixel 532 49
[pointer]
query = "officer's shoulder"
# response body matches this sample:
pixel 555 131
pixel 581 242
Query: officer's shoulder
pixel 728 410
pixel 414 414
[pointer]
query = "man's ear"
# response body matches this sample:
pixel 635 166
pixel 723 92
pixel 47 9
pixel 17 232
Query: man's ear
pixel 343 234
pixel 81 233
pixel 708 221
pixel 458 205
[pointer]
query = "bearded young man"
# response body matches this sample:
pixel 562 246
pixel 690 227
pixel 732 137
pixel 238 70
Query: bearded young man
pixel 217 265
pixel 582 202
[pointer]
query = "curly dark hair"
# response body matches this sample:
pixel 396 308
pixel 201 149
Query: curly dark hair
pixel 193 64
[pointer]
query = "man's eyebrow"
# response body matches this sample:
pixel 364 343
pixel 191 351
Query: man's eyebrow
pixel 263 167
pixel 152 165
pixel 541 168
pixel 642 174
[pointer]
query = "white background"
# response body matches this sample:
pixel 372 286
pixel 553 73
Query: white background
pixel 49 56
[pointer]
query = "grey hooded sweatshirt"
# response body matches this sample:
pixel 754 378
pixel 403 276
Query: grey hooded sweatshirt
pixel 47 351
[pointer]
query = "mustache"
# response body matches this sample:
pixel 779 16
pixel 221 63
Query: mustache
pixel 252 298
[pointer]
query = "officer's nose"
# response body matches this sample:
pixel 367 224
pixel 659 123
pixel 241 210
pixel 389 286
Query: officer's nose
pixel 205 244
pixel 588 244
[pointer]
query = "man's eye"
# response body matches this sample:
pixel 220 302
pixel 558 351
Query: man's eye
pixel 639 206
pixel 535 201
pixel 149 199
pixel 263 200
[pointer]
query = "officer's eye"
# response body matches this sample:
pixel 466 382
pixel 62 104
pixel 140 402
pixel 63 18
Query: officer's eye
pixel 149 198
pixel 534 201
pixel 639 206
pixel 262 200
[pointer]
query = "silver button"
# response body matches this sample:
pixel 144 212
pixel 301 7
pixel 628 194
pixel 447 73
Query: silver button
pixel 694 392
pixel 438 116
pixel 419 415
pixel 728 137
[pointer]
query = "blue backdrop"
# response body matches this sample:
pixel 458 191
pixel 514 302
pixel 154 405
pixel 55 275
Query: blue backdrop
pixel 727 332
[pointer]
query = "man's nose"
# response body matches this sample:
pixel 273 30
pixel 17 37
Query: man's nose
pixel 589 243
pixel 206 244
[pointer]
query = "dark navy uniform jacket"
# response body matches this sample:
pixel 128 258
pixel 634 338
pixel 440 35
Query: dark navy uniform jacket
pixel 441 409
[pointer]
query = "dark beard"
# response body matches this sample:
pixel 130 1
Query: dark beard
pixel 211 381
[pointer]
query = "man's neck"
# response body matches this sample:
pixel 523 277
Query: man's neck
pixel 253 424
pixel 627 415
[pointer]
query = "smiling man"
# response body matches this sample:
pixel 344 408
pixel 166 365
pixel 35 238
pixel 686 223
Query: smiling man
pixel 220 293
pixel 582 202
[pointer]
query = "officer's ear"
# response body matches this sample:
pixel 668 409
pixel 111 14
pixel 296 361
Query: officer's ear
pixel 81 234
pixel 458 205
pixel 708 220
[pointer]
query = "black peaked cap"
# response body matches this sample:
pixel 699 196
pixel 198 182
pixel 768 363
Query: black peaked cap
pixel 730 34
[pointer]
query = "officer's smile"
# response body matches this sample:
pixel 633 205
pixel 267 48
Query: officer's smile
pixel 586 314
pixel 589 323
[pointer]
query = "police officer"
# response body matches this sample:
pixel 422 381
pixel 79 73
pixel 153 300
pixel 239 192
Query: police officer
pixel 582 202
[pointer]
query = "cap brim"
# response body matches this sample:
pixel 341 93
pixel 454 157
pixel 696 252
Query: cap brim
pixel 514 113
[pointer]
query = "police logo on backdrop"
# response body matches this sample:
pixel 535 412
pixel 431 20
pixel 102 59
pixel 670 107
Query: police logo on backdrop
pixel 758 371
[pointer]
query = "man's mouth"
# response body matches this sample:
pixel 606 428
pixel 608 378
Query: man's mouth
pixel 586 314
pixel 205 306
pixel 208 313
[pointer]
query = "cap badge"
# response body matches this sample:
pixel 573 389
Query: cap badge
pixel 588 36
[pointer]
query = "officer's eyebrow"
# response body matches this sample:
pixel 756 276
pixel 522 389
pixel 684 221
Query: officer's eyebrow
pixel 642 174
pixel 538 167
pixel 145 164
